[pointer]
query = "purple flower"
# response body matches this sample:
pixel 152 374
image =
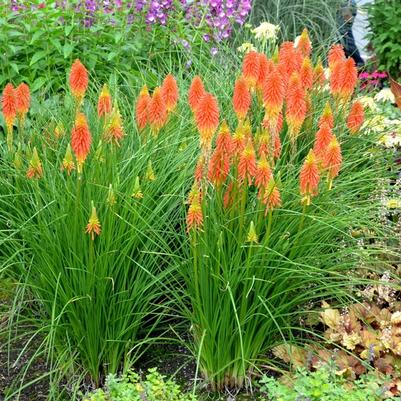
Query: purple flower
pixel 213 51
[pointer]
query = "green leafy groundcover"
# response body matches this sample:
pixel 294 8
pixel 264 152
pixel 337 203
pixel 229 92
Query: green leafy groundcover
pixel 325 385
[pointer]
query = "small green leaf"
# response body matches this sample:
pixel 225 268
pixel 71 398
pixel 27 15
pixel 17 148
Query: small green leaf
pixel 39 82
pixel 38 56
pixel 68 48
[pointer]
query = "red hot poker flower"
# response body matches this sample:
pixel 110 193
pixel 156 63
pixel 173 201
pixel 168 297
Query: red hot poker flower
pixel 273 94
pixel 290 60
pixel 78 80
pixel 195 215
pixel 318 74
pixel 104 102
pixel 157 112
pixel 241 98
pixel 271 196
pixel 247 163
pixel 263 173
pixel 35 169
pixel 251 68
pixel 304 44
pixel 114 130
pixel 207 118
pixel 332 160
pixel 219 167
pixel 336 54
pixel 327 116
pixel 224 141
pixel 9 106
pixel 93 227
pixel 309 177
pixel 22 100
pixel 195 93
pixel 322 140
pixel 170 92
pixel 296 106
pixel 80 139
pixel 356 117
pixel 306 73
pixel 141 108
pixel 265 67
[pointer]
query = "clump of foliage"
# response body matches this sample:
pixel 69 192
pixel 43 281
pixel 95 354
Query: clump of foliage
pixel 385 35
pixel 132 387
pixel 325 385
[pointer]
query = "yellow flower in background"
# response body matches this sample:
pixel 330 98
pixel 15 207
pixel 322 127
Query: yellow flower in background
pixel 390 140
pixel 150 174
pixel 393 203
pixel 375 123
pixel 385 95
pixel 266 31
pixel 247 47
pixel 368 103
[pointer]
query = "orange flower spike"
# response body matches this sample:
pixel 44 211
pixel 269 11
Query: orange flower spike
pixel 309 177
pixel 207 118
pixel 68 162
pixel 337 78
pixel 332 160
pixel 22 101
pixel 247 163
pixel 336 54
pixel 304 44
pixel 141 108
pixel 9 106
pixel 196 92
pixel 114 131
pixel 306 73
pixel 349 79
pixel 80 139
pixel 78 80
pixel 224 141
pixel 251 68
pixel 228 195
pixel 157 111
pixel 265 67
pixel 219 167
pixel 170 92
pixel 318 73
pixel 271 196
pixel 327 116
pixel 241 98
pixel 263 173
pixel 356 117
pixel 35 169
pixel 296 106
pixel 322 140
pixel 104 104
pixel 195 215
pixel 290 60
pixel 93 227
pixel 273 94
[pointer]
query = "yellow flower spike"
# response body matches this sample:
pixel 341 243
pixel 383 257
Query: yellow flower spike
pixel 252 237
pixel 59 131
pixel 111 197
pixel 93 227
pixel 150 174
pixel 68 161
pixel 137 192
pixel 35 169
pixel 18 158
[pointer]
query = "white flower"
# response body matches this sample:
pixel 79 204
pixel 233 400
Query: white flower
pixel 385 95
pixel 368 102
pixel 246 48
pixel 266 31
pixel 327 73
pixel 391 140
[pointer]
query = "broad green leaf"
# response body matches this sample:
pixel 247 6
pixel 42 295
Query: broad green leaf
pixel 38 56
pixel 68 48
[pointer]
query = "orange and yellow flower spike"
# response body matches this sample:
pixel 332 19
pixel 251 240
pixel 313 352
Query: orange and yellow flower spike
pixel 68 162
pixel 141 108
pixel 104 103
pixel 241 98
pixel 81 140
pixel 207 119
pixel 332 160
pixel 157 111
pixel 93 227
pixel 78 80
pixel 9 109
pixel 35 169
pixel 169 91
pixel 23 101
pixel 309 177
pixel 251 68
pixel 356 117
pixel 195 93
